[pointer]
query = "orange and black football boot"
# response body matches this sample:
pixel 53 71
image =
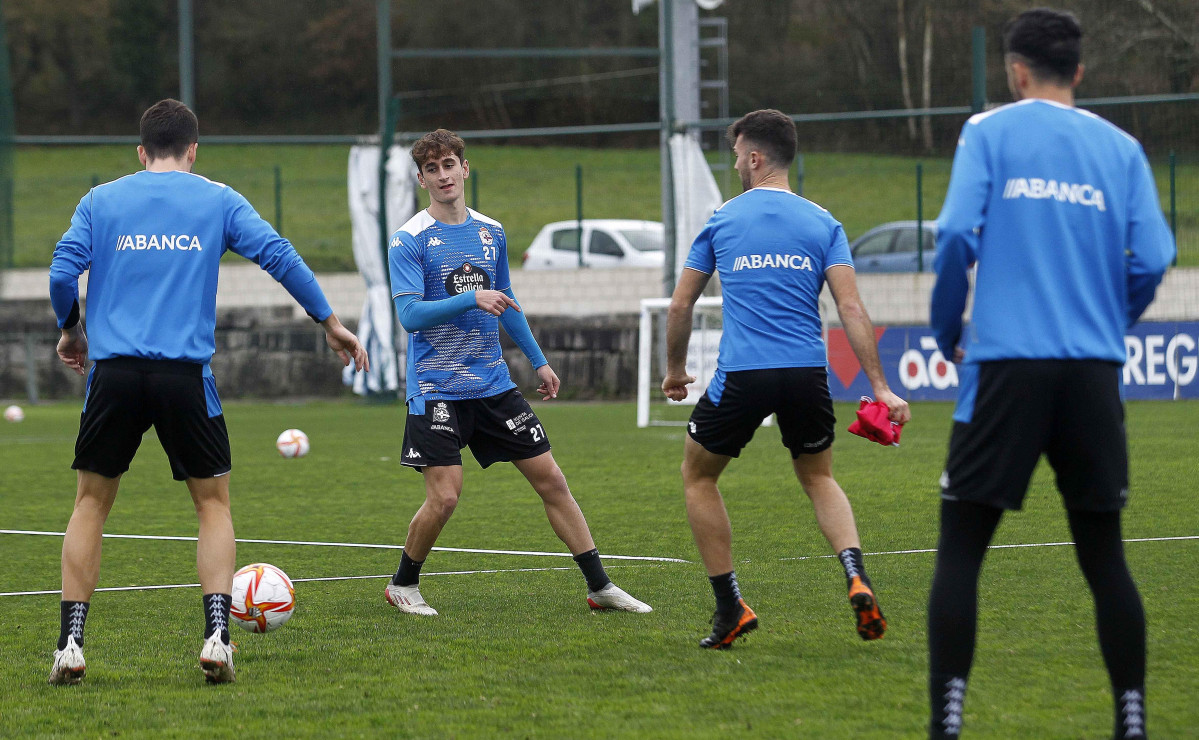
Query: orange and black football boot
pixel 871 622
pixel 727 629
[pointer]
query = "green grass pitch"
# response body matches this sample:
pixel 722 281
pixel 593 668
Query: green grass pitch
pixel 518 654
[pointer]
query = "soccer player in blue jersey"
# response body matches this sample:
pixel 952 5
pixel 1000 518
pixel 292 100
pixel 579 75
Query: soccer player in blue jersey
pixel 774 251
pixel 1057 212
pixel 450 284
pixel 152 243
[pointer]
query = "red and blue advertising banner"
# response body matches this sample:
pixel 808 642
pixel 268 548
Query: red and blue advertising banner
pixel 1163 359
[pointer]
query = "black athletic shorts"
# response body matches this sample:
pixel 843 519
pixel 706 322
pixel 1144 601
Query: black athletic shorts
pixel 798 396
pixel 1069 410
pixel 498 428
pixel 128 395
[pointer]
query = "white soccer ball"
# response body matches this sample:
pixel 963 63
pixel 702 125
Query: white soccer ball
pixel 14 414
pixel 263 598
pixel 292 443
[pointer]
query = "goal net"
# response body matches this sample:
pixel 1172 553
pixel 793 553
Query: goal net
pixel 653 408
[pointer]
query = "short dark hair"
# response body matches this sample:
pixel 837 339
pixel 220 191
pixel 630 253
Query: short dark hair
pixel 437 145
pixel 1049 41
pixel 168 128
pixel 770 130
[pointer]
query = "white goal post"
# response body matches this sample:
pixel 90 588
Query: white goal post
pixel 651 355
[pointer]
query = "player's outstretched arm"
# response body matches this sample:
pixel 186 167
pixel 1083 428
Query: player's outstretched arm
pixel 860 331
pixel 72 348
pixel 678 332
pixel 343 341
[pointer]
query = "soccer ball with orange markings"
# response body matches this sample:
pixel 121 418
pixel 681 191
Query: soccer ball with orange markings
pixel 263 598
pixel 292 443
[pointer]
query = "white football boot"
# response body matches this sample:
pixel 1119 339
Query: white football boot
pixel 613 597
pixel 408 600
pixel 216 660
pixel 68 668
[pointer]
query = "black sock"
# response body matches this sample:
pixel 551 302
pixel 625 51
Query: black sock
pixel 593 570
pixel 71 617
pixel 851 561
pixel 216 615
pixel 947 693
pixel 1130 713
pixel 409 572
pixel 728 593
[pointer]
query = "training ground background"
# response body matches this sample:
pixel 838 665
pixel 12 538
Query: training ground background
pixel 516 652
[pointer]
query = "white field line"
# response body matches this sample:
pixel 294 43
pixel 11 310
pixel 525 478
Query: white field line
pixel 1000 547
pixel 306 580
pixel 354 544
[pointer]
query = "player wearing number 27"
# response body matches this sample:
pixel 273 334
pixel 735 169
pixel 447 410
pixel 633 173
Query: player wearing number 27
pixel 450 284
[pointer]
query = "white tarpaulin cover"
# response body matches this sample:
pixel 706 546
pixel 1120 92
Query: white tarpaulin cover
pixel 375 324
pixel 696 196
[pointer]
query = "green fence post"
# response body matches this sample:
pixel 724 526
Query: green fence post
pixel 95 180
pixel 1173 206
pixel 278 200
pixel 579 208
pixel 474 190
pixel 919 217
pixel 978 69
pixel 799 174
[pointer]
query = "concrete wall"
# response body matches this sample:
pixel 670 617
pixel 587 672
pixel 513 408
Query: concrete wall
pixel 585 322
pixel 900 298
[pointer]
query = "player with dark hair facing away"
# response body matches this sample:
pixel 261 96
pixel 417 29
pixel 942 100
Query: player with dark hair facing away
pixel 152 243
pixel 451 287
pixel 774 251
pixel 1057 213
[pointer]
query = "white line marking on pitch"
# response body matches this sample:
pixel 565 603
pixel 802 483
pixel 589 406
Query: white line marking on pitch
pixel 999 547
pixel 307 580
pixel 353 544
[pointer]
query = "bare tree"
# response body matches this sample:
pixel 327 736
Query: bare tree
pixel 926 85
pixel 904 77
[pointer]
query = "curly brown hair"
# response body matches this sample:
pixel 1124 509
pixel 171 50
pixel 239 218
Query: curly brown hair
pixel 436 145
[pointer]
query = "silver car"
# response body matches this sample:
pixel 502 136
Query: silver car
pixel 891 247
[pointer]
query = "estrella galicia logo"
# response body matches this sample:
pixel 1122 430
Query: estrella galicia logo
pixel 465 278
pixel 485 236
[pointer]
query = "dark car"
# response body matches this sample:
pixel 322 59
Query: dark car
pixel 891 247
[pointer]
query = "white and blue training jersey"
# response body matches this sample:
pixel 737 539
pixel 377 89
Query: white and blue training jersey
pixel 460 358
pixel 771 249
pixel 1058 210
pixel 153 243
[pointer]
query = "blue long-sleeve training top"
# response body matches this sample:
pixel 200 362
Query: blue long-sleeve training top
pixel 153 243
pixel 1058 210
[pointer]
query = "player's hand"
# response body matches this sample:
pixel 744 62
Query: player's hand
pixel 674 385
pixel 494 302
pixel 549 381
pixel 900 413
pixel 343 341
pixel 72 349
pixel 959 354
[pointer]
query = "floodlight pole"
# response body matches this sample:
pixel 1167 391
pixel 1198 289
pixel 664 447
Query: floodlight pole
pixel 666 112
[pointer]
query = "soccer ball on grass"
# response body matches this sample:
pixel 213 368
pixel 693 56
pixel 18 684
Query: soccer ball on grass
pixel 292 443
pixel 263 598
pixel 14 414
